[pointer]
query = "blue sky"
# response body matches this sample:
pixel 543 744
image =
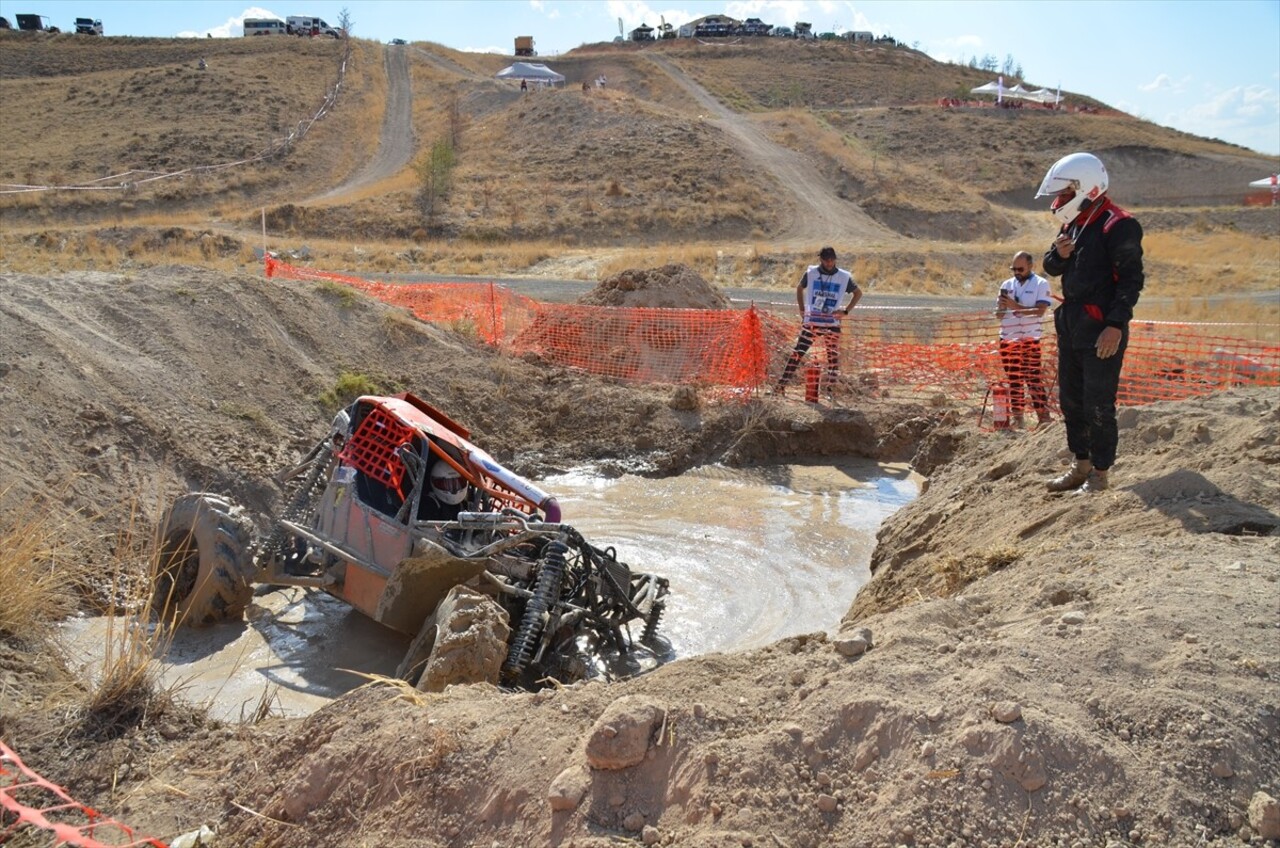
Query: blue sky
pixel 1208 68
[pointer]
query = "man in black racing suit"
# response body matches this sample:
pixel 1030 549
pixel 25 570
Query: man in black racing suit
pixel 1098 255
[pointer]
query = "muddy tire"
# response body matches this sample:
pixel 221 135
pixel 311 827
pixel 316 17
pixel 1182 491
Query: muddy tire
pixel 463 641
pixel 204 567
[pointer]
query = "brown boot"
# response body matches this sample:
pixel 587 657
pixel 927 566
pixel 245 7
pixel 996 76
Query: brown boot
pixel 1097 481
pixel 1073 479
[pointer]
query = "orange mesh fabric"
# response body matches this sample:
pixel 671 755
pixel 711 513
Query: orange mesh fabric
pixel 885 354
pixel 31 801
pixel 373 448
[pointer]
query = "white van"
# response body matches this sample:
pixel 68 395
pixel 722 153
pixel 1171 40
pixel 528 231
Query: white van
pixel 264 26
pixel 307 25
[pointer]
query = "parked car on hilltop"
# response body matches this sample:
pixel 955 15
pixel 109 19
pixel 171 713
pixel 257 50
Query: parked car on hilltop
pixel 88 26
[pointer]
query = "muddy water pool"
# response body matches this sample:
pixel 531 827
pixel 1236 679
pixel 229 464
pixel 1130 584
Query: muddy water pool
pixel 753 555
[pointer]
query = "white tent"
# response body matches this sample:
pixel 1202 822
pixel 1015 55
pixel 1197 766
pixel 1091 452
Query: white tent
pixel 1017 91
pixel 1266 182
pixel 532 71
pixel 1044 95
pixel 992 87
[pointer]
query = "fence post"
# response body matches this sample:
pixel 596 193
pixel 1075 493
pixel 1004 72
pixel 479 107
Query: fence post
pixel 753 361
pixel 495 338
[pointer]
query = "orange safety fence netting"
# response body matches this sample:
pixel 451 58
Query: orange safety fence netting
pixel 882 354
pixel 480 308
pixel 28 799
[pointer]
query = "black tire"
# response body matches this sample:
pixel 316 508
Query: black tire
pixel 205 564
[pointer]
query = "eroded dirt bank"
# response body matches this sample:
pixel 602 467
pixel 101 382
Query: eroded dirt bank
pixel 1069 671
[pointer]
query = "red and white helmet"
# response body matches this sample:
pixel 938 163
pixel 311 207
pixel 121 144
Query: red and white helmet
pixel 447 485
pixel 1075 182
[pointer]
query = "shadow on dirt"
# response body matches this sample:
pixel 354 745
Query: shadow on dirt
pixel 1202 507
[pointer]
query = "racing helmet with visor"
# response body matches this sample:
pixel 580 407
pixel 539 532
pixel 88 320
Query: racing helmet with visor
pixel 447 485
pixel 1075 182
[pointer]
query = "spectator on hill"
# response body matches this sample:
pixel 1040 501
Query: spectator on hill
pixel 1098 254
pixel 524 85
pixel 1023 300
pixel 819 294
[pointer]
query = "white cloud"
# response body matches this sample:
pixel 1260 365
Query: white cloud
pixel 234 27
pixel 1250 113
pixel 1164 82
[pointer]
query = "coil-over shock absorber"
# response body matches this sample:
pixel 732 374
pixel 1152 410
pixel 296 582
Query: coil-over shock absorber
pixel 546 591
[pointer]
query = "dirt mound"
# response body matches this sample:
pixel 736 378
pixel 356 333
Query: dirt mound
pixel 1080 670
pixel 669 287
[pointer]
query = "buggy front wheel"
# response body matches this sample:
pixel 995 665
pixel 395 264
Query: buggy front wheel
pixel 203 567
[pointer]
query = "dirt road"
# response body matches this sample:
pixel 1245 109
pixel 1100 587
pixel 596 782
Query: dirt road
pixel 395 146
pixel 817 208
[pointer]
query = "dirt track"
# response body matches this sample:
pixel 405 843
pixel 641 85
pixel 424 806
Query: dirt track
pixel 818 209
pixel 395 142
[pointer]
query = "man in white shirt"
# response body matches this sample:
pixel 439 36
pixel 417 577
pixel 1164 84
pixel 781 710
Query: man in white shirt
pixel 820 294
pixel 1024 298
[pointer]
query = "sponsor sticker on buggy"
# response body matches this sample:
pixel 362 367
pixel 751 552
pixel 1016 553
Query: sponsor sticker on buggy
pixel 344 475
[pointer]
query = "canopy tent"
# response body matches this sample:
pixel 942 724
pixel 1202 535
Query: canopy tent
pixel 532 71
pixel 1266 182
pixel 992 87
pixel 1044 95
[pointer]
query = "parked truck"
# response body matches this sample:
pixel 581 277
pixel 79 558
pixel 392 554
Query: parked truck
pixel 88 26
pixel 524 45
pixel 310 26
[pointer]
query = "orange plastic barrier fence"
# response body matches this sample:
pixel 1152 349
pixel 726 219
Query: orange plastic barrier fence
pixel 886 354
pixel 17 781
pixel 483 309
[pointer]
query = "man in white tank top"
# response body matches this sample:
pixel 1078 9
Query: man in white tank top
pixel 820 294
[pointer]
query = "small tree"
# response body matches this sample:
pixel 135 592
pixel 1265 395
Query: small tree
pixel 344 22
pixel 1007 67
pixel 435 174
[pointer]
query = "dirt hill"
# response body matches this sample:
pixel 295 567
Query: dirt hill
pixel 643 158
pixel 1022 670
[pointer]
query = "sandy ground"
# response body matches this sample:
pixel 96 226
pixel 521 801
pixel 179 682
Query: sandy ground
pixel 1069 671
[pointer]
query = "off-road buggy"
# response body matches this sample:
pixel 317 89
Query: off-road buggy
pixel 396 512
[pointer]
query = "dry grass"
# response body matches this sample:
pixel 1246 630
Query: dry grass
pixel 118 104
pixel 125 692
pixel 701 258
pixel 39 571
pixel 956 572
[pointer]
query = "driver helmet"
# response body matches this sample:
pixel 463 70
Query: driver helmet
pixel 447 485
pixel 1075 182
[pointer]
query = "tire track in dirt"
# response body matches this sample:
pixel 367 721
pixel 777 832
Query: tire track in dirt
pixel 395 144
pixel 818 212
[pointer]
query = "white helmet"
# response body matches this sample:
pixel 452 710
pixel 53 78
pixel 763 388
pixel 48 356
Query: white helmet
pixel 1075 182
pixel 447 485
